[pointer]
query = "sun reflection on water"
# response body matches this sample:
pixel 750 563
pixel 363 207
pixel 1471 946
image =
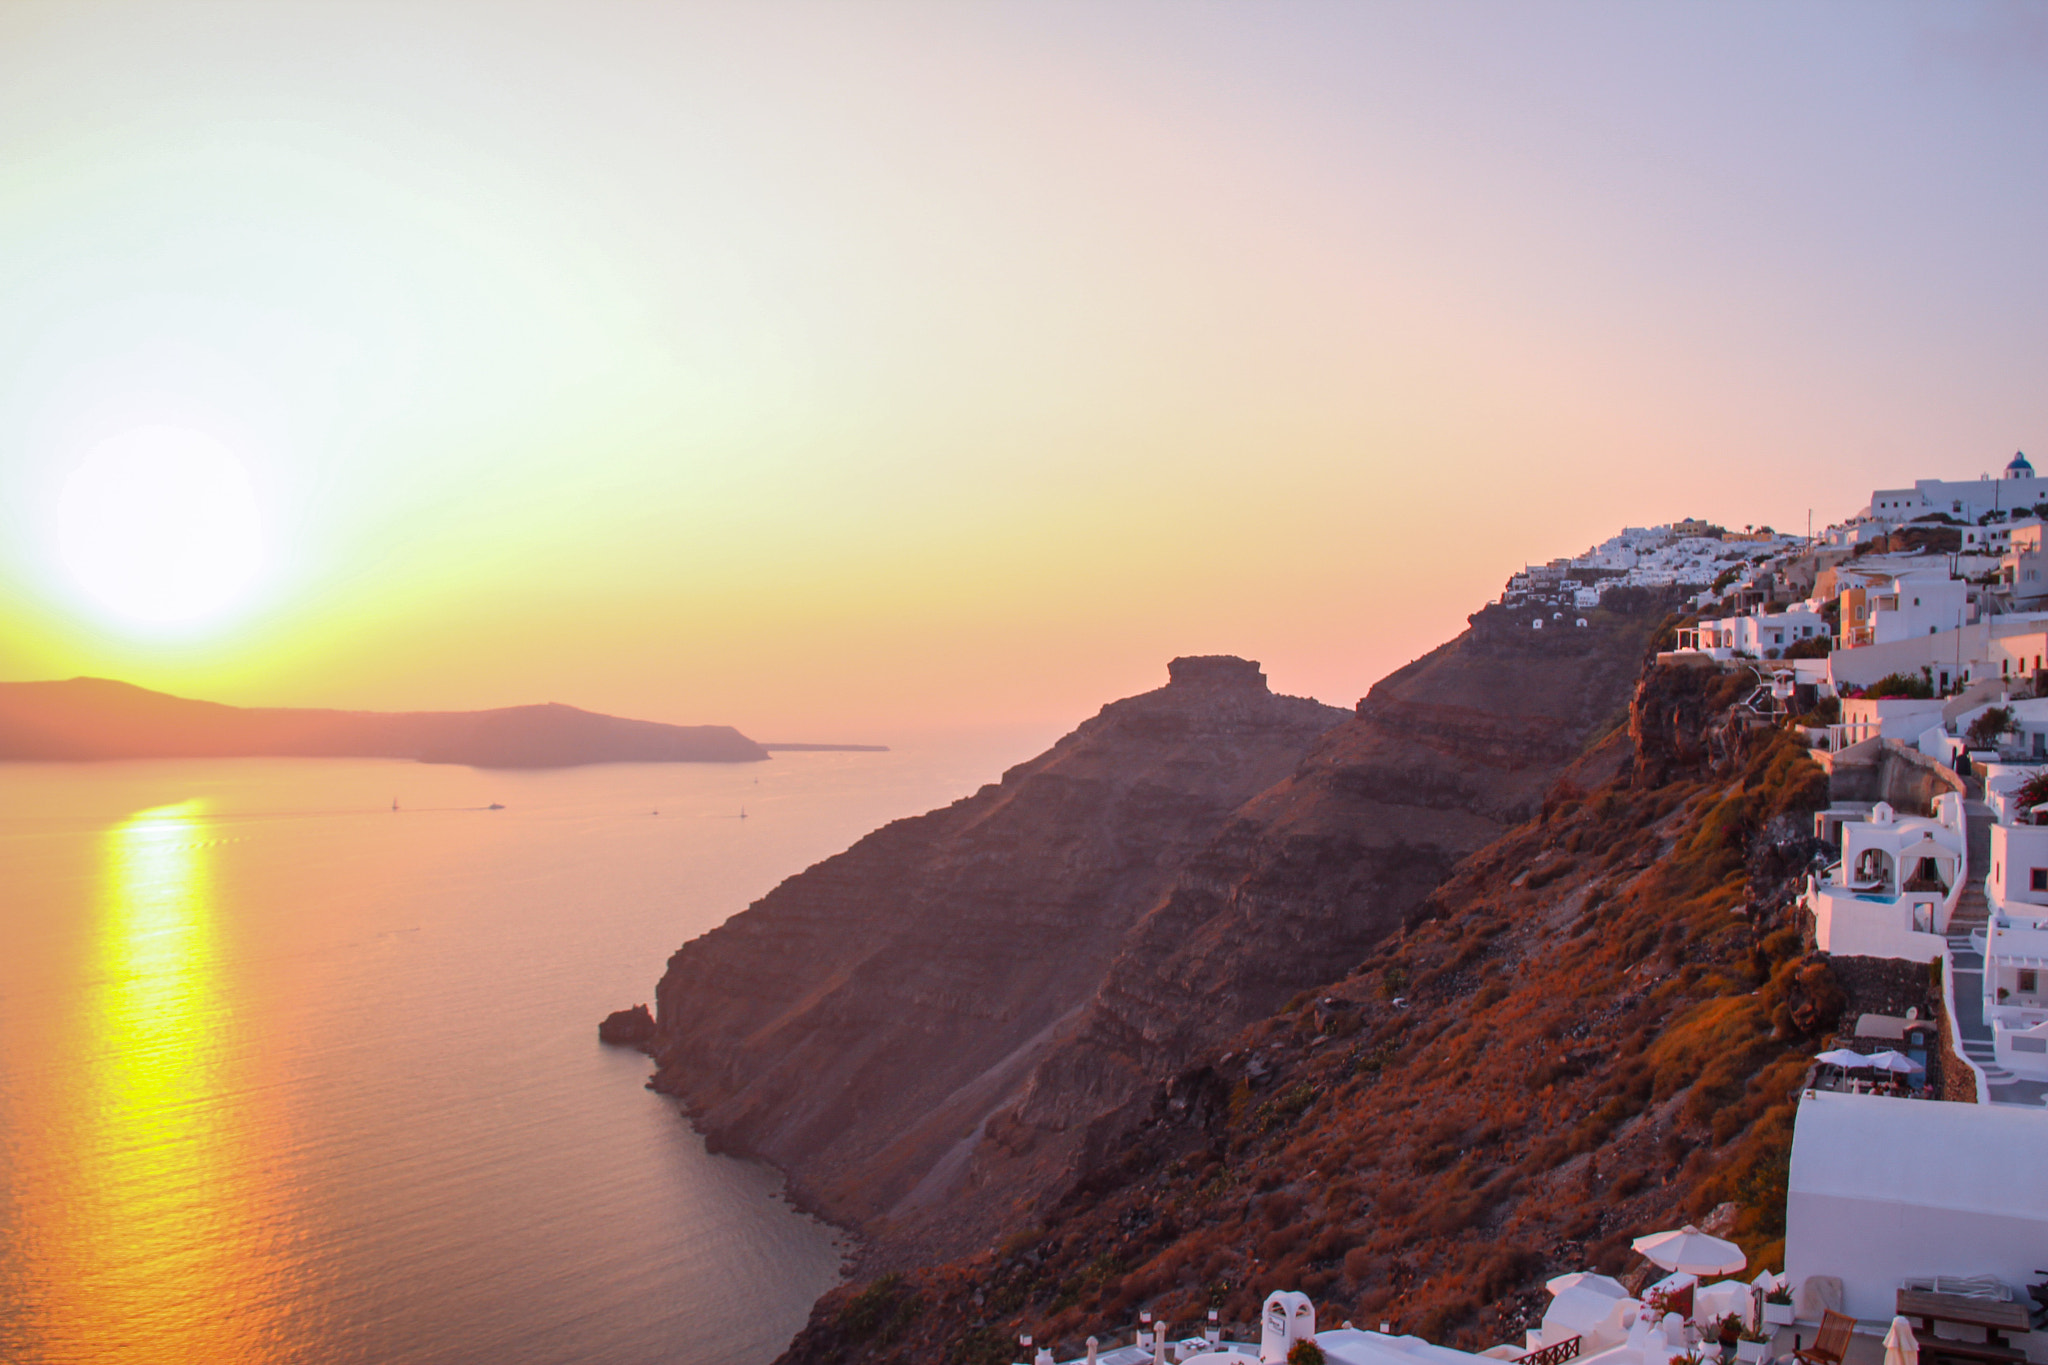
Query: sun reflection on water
pixel 155 1230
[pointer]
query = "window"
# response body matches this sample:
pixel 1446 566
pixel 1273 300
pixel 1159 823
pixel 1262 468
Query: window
pixel 2030 980
pixel 2038 879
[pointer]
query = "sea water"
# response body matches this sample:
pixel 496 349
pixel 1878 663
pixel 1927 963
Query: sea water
pixel 288 1075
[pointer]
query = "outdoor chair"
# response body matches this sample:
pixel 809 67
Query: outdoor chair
pixel 1830 1342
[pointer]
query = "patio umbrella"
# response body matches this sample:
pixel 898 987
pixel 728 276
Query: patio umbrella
pixel 1901 1347
pixel 1842 1056
pixel 1691 1251
pixel 1895 1061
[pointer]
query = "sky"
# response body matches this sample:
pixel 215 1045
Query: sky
pixel 846 371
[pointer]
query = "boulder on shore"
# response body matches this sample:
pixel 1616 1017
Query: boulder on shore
pixel 627 1028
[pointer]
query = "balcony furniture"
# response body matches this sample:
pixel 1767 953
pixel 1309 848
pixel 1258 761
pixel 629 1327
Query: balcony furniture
pixel 1995 1316
pixel 1830 1342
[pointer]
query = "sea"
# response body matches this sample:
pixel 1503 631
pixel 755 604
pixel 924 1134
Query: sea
pixel 299 1058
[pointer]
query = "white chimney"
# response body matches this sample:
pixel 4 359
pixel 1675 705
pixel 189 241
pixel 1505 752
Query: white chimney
pixel 1093 1347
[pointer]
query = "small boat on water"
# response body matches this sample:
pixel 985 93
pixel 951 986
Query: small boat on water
pixel 494 806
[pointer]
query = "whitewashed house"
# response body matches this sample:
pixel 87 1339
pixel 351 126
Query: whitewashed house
pixel 1904 719
pixel 1883 1190
pixel 2015 1004
pixel 1922 602
pixel 1895 889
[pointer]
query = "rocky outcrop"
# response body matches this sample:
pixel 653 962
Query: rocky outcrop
pixel 933 1031
pixel 1304 880
pixel 1596 1025
pixel 627 1028
pixel 857 1024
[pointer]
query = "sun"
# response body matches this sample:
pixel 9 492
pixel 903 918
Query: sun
pixel 161 527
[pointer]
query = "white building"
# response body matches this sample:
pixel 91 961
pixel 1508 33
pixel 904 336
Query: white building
pixel 1964 499
pixel 2023 567
pixel 1755 633
pixel 1885 1190
pixel 1923 602
pixel 1895 889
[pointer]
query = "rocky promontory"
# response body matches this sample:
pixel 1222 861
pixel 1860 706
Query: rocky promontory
pixel 857 1024
pixel 933 1032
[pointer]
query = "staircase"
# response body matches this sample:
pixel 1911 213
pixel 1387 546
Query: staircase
pixel 1965 963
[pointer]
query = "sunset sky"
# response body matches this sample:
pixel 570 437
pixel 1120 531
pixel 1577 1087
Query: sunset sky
pixel 841 370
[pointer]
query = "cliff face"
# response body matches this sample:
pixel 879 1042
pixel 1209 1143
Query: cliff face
pixel 1594 1028
pixel 933 1031
pixel 97 718
pixel 1299 884
pixel 857 1024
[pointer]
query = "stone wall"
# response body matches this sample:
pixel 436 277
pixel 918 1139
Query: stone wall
pixel 1882 985
pixel 1888 771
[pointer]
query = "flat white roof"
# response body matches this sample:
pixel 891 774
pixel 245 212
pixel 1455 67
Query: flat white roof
pixel 1974 1158
pixel 1352 1346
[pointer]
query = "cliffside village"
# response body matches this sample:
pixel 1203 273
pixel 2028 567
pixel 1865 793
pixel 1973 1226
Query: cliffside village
pixel 1910 645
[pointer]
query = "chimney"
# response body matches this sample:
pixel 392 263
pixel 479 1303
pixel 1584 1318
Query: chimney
pixel 1093 1347
pixel 1213 1333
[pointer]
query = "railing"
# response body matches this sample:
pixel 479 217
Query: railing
pixel 1568 1349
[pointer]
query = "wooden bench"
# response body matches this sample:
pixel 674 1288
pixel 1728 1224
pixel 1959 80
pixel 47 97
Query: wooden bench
pixel 1932 1346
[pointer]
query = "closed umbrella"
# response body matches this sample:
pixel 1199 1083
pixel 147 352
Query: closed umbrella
pixel 1901 1347
pixel 1691 1251
pixel 1895 1061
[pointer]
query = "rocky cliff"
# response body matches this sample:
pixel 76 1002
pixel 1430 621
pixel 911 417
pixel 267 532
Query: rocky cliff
pixel 857 1024
pixel 1441 757
pixel 1595 1027
pixel 936 1030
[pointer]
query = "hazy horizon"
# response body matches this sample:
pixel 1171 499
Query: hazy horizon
pixel 836 373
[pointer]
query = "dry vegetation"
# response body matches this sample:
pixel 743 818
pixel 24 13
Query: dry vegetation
pixel 1593 1030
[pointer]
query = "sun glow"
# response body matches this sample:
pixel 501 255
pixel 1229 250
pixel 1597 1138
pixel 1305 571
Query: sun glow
pixel 161 526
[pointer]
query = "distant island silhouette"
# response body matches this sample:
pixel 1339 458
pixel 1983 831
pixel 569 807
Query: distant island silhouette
pixel 99 718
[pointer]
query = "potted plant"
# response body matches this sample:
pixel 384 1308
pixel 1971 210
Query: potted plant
pixel 1752 1346
pixel 1778 1307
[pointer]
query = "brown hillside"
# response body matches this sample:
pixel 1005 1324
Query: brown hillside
pixel 1593 1029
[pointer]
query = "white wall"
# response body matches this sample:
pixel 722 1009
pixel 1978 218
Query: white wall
pixel 1885 1189
pixel 2016 850
pixel 1862 667
pixel 1848 927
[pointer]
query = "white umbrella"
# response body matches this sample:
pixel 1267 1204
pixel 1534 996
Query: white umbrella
pixel 1691 1251
pixel 1901 1347
pixel 1895 1061
pixel 1842 1056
